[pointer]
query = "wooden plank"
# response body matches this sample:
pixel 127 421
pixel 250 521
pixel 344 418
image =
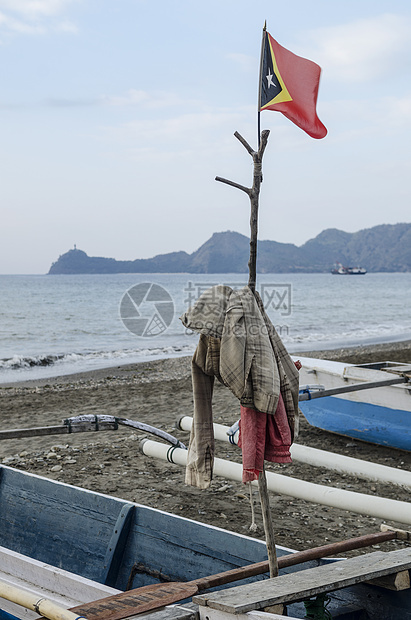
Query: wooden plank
pixel 398 581
pixel 75 528
pixel 116 545
pixel 184 549
pixel 401 534
pixel 305 584
pixel 206 613
pixel 173 612
pixel 29 573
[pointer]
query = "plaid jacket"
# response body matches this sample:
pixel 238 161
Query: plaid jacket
pixel 240 346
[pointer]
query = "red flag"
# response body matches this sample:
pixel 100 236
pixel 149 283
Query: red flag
pixel 289 84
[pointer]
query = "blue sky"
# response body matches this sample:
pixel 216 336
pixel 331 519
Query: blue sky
pixel 116 116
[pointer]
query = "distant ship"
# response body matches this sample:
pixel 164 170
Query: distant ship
pixel 348 271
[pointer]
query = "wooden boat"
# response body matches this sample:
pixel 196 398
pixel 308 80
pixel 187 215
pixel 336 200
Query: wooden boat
pixel 75 546
pixel 380 415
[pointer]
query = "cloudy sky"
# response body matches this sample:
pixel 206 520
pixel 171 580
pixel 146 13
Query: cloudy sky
pixel 116 116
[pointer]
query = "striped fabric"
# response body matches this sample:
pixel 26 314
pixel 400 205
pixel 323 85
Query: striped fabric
pixel 241 348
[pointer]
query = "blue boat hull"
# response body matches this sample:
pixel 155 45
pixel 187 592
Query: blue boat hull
pixel 371 423
pixel 102 538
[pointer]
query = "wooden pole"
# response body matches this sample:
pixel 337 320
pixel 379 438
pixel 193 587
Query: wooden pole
pixel 254 193
pixel 268 524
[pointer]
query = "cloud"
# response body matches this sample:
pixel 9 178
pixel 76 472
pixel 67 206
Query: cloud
pixel 17 26
pixel 182 134
pixel 357 122
pixel 363 50
pixel 35 16
pixel 196 126
pixel 67 26
pixel 35 8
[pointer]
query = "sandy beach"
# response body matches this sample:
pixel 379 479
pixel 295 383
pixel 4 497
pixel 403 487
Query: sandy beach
pixel 158 393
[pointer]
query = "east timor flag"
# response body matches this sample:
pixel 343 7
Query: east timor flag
pixel 289 84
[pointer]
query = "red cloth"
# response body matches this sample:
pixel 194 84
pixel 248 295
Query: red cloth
pixel 263 437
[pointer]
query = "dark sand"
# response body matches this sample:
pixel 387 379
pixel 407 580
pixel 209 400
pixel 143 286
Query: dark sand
pixel 159 393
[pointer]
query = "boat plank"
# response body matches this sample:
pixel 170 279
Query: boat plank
pixel 116 545
pixel 207 613
pixel 305 584
pixel 398 581
pixel 63 588
pixel 56 523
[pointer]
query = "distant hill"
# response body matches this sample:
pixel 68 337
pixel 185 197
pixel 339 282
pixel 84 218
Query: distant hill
pixel 381 248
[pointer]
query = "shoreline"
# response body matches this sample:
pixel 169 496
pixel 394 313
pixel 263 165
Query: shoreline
pixel 158 393
pixel 178 367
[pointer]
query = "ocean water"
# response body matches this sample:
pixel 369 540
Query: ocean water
pixel 63 324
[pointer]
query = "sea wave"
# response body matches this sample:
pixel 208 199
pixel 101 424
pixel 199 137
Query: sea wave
pixel 355 335
pixel 18 361
pixel 22 368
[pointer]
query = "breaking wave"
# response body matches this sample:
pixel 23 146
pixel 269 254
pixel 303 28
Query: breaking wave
pixel 17 361
pixel 31 367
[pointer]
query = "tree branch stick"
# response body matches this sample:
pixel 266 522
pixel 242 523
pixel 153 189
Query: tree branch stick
pixel 254 197
pixel 233 184
pixel 263 142
pixel 244 143
pixel 252 268
pixel 254 193
pixel 268 524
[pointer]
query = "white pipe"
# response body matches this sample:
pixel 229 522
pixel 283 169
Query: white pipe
pixel 35 602
pixel 321 458
pixel 371 505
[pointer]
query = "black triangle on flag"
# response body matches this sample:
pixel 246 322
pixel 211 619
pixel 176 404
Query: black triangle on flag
pixel 270 86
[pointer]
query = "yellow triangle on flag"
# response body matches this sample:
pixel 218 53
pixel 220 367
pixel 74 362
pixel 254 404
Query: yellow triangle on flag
pixel 284 95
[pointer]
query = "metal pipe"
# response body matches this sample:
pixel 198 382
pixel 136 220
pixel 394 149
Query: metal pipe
pixel 293 559
pixel 360 503
pixel 322 458
pixel 352 388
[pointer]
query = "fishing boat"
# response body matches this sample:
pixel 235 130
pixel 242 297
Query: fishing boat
pixel 340 270
pixel 371 402
pixel 73 547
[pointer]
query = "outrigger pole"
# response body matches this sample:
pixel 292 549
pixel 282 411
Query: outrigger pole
pixel 254 193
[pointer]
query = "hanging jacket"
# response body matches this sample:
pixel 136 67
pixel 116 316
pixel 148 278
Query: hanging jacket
pixel 241 348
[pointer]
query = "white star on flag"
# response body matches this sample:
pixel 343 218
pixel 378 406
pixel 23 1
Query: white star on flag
pixel 270 79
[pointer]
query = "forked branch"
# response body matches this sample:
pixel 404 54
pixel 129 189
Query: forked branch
pixel 253 193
